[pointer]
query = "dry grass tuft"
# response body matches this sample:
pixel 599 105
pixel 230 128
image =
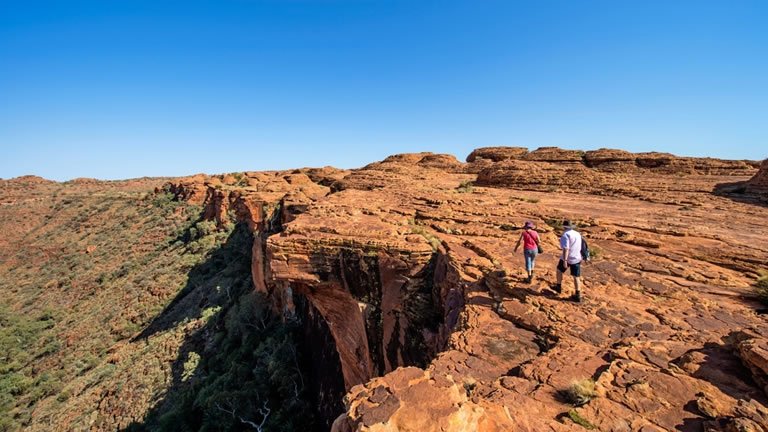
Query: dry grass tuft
pixel 581 392
pixel 761 286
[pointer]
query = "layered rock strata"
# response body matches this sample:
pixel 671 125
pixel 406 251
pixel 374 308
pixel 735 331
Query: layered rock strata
pixel 414 304
pixel 612 160
pixel 758 184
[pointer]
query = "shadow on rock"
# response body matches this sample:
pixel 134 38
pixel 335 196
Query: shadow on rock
pixel 739 192
pixel 719 365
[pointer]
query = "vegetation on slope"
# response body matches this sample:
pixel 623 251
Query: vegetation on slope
pixel 241 370
pixel 118 302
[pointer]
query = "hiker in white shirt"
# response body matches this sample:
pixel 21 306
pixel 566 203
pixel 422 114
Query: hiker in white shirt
pixel 570 243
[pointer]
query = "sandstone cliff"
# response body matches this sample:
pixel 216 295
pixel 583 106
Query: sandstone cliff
pixel 414 304
pixel 411 303
pixel 758 184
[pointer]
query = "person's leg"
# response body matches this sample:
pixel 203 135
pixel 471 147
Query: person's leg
pixel 558 287
pixel 533 263
pixel 528 264
pixel 576 273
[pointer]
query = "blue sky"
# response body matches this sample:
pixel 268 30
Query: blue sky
pixel 122 89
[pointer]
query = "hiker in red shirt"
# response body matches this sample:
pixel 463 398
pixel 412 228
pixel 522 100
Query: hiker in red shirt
pixel 530 239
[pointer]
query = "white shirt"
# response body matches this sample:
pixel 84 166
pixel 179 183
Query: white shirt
pixel 571 240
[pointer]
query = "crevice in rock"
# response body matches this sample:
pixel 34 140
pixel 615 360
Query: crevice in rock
pixel 370 314
pixel 322 365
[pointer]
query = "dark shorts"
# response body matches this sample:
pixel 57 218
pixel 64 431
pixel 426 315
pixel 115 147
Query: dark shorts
pixel 575 268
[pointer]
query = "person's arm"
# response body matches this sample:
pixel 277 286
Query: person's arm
pixel 564 244
pixel 517 245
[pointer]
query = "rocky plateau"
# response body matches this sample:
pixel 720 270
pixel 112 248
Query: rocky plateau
pixel 415 311
pixel 405 270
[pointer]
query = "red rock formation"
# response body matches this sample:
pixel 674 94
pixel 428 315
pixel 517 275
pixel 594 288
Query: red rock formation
pixel 758 184
pixel 556 155
pixel 552 177
pixel 443 162
pixel 493 377
pixel 671 164
pixel 414 304
pixel 497 154
pixel 192 189
pixel 754 353
pixel 610 160
pixel 399 171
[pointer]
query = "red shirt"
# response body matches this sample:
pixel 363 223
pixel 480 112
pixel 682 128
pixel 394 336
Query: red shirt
pixel 530 237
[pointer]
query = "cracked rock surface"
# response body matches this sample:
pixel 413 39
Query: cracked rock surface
pixel 409 262
pixel 416 311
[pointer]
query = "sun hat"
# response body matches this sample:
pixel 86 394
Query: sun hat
pixel 568 224
pixel 528 224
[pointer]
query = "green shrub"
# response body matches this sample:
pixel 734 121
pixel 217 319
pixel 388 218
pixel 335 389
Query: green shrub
pixel 14 384
pixel 595 252
pixel 163 200
pixel 252 368
pixel 190 366
pixel 557 224
pixel 465 187
pixel 242 179
pixel 579 420
pixel 205 228
pixel 433 241
pixel 761 286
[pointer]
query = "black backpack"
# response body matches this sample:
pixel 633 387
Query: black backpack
pixel 584 249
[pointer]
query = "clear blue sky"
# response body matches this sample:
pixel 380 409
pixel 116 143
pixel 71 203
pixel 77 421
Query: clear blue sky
pixel 120 89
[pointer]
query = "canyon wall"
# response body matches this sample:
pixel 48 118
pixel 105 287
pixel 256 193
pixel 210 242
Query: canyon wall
pixel 416 315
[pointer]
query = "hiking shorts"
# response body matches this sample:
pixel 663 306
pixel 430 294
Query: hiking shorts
pixel 575 268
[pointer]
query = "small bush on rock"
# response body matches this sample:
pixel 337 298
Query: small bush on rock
pixel 581 392
pixel 465 187
pixel 761 286
pixel 579 420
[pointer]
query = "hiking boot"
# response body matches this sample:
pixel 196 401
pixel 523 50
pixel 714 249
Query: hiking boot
pixel 527 280
pixel 557 288
pixel 576 298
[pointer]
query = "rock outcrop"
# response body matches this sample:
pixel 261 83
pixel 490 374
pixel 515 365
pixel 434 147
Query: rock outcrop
pixel 497 154
pixel 758 185
pixel 417 317
pixel 542 176
pixel 611 160
pixel 754 189
pixel 554 155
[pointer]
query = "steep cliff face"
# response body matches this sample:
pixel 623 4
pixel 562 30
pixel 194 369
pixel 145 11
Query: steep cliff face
pixel 354 268
pixel 413 305
pixel 655 335
pixel 356 263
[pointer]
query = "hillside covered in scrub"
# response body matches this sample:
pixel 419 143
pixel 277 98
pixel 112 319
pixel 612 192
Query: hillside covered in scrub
pixel 123 308
pixel 389 297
